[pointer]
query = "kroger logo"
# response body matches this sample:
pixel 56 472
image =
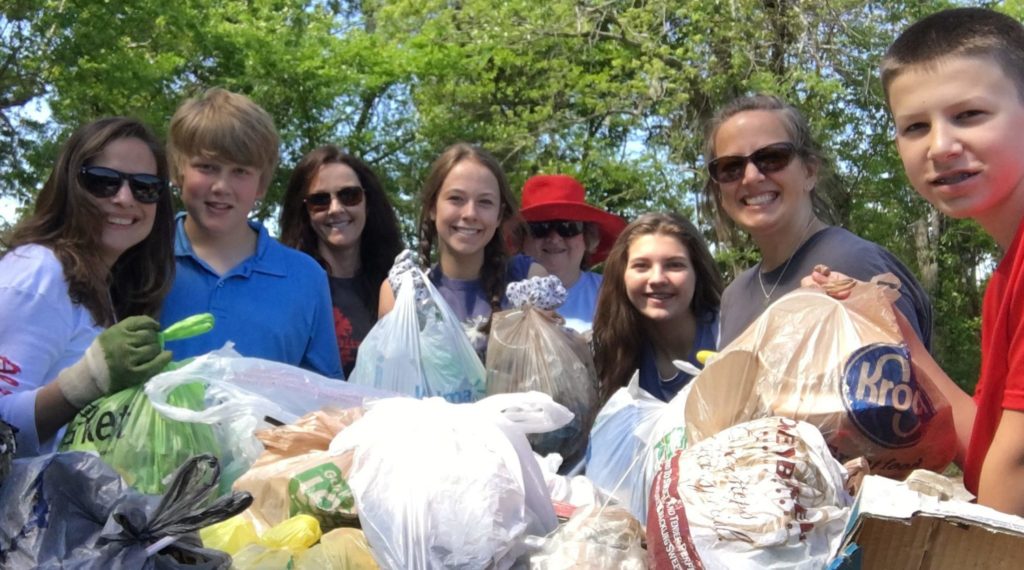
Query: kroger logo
pixel 883 398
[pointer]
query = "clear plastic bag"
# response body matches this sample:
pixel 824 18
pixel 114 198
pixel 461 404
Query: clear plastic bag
pixel 421 349
pixel 594 537
pixel 450 485
pixel 841 366
pixel 529 351
pixel 240 392
pixel 633 432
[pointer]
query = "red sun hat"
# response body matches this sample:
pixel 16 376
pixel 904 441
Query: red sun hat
pixel 548 197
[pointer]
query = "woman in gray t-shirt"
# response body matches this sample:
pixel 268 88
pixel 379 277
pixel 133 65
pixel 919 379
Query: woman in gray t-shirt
pixel 764 172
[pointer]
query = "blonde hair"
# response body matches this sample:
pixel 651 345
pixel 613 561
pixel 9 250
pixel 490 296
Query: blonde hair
pixel 223 125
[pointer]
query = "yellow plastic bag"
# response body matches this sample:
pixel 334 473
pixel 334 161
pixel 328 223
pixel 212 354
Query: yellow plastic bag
pixel 231 535
pixel 295 534
pixel 340 549
pixel 259 557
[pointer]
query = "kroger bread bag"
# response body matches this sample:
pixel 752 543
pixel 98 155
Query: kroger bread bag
pixel 764 494
pixel 841 366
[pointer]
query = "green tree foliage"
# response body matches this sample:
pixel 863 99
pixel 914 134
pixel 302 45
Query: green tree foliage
pixel 613 92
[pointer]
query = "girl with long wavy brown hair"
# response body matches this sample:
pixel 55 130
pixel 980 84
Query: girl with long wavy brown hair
pixel 658 303
pixel 335 210
pixel 465 200
pixel 82 278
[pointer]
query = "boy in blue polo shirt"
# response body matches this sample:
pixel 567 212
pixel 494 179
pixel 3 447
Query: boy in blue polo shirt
pixel 273 302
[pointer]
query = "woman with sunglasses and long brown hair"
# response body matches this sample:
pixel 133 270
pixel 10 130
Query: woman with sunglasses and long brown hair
pixel 336 211
pixel 82 278
pixel 767 177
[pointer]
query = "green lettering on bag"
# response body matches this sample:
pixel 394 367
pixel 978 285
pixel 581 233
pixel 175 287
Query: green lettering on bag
pixel 322 492
pixel 668 445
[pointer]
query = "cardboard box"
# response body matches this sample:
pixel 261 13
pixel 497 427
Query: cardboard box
pixel 897 528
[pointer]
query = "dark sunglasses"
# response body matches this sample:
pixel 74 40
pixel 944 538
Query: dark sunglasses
pixel 104 182
pixel 348 196
pixel 540 230
pixel 767 159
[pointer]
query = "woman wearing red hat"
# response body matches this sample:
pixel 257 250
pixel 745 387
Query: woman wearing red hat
pixel 566 235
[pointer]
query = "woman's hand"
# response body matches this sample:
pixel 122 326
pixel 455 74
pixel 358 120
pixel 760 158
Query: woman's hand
pixel 837 285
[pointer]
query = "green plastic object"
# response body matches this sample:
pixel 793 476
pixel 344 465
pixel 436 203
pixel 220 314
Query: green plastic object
pixel 132 437
pixel 187 328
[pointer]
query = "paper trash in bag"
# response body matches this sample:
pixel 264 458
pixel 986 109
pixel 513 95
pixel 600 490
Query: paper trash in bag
pixel 296 475
pixel 841 366
pixel 528 351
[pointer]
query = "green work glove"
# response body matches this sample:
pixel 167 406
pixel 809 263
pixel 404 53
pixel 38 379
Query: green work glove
pixel 125 355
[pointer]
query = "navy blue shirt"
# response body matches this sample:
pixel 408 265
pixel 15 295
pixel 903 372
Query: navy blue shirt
pixel 665 390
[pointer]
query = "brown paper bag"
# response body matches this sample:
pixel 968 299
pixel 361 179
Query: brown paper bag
pixel 296 475
pixel 841 366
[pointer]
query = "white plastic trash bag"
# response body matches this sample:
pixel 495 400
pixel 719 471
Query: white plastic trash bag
pixel 420 348
pixel 763 494
pixel 441 485
pixel 241 392
pixel 632 433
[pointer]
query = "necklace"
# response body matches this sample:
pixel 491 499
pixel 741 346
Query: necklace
pixel 760 274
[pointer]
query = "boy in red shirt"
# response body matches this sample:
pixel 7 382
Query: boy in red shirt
pixel 954 82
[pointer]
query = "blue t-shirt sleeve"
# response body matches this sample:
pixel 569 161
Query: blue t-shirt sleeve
pixel 518 268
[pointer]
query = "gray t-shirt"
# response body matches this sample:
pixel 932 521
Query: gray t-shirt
pixel 744 300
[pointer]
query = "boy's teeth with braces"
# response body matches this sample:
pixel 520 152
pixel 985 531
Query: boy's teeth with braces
pixel 953 179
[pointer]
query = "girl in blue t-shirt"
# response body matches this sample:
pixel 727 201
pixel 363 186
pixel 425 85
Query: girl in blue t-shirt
pixel 658 303
pixel 466 198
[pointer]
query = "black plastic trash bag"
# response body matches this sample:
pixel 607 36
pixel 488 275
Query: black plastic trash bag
pixel 71 510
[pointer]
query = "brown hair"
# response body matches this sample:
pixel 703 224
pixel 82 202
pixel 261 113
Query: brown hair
pixel 68 220
pixel 959 32
pixel 619 334
pixel 492 274
pixel 381 239
pixel 799 132
pixel 223 125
